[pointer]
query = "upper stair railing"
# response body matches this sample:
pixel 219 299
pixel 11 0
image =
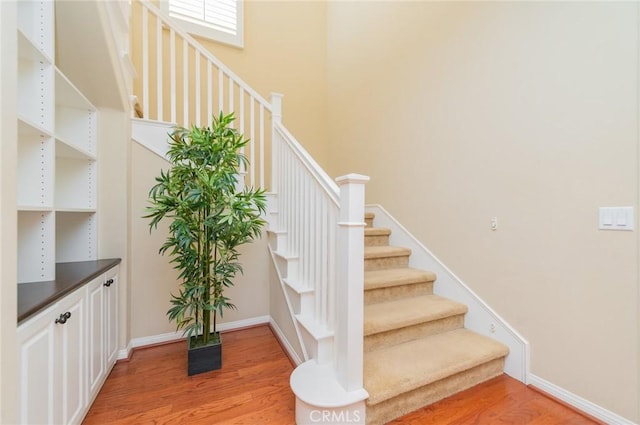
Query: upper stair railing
pixel 183 83
pixel 322 222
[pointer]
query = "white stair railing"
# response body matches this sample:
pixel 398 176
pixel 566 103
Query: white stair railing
pixel 183 83
pixel 322 222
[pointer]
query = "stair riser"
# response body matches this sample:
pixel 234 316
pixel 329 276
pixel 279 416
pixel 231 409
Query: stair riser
pixel 368 221
pixel 376 240
pixel 409 333
pixel 392 293
pixel 402 404
pixel 371 264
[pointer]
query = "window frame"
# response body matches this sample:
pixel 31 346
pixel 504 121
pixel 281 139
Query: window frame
pixel 208 33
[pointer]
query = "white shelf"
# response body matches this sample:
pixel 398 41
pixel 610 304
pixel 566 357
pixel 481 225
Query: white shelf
pixel 57 153
pixel 76 210
pixel 68 95
pixel 29 128
pixel 28 50
pixel 36 232
pixel 76 118
pixel 33 208
pixel 65 150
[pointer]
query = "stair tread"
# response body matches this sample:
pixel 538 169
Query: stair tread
pixel 392 371
pixel 371 252
pixel 395 277
pixel 396 314
pixel 368 214
pixel 377 231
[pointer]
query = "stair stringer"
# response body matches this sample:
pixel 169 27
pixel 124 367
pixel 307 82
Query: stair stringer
pixel 153 135
pixel 316 341
pixel 479 316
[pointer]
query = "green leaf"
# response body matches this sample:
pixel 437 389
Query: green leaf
pixel 208 218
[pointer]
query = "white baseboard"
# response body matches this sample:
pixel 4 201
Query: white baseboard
pixel 578 402
pixel 285 343
pixel 174 336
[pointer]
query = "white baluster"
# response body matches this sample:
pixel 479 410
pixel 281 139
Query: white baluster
pixel 172 72
pixel 198 88
pixel 220 90
pixel 145 62
pixel 209 91
pixel 243 167
pixel 185 84
pixel 252 143
pixel 261 153
pixel 159 79
pixel 231 83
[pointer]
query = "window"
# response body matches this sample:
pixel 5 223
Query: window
pixel 219 20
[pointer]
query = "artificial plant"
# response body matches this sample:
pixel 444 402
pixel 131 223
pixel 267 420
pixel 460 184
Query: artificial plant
pixel 210 217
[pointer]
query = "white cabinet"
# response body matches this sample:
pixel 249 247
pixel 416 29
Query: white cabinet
pixel 96 350
pixel 111 316
pixel 52 352
pixel 37 359
pixel 69 339
pixel 57 154
pixel 66 353
pixel 102 298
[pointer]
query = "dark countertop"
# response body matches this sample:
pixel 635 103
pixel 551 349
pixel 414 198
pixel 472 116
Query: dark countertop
pixel 36 296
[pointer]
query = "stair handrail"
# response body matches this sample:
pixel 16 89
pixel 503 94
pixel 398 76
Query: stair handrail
pixel 198 86
pixel 204 52
pixel 329 186
pixel 338 274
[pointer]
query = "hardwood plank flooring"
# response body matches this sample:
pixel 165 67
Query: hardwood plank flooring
pixel 252 388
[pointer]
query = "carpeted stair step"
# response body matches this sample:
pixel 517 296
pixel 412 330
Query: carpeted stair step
pixel 417 373
pixel 376 236
pixel 396 322
pixel 392 284
pixel 368 218
pixel 385 257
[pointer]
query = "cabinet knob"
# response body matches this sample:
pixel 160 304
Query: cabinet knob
pixel 108 283
pixel 63 318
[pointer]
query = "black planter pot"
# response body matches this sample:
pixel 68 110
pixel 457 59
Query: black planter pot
pixel 204 358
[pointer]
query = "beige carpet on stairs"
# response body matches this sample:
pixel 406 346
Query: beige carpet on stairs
pixel 416 348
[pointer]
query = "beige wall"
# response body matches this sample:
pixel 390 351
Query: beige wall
pixel 153 278
pixel 285 52
pixel 528 112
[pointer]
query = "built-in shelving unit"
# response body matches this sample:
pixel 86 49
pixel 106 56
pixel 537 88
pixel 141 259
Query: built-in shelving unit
pixel 57 154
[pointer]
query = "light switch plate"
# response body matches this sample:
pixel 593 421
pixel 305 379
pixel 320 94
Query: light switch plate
pixel 616 218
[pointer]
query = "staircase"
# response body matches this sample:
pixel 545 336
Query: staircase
pixel 370 338
pixel 416 349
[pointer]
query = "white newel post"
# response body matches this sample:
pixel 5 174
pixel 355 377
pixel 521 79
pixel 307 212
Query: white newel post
pixel 350 281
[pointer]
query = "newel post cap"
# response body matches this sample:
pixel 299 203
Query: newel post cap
pixel 352 178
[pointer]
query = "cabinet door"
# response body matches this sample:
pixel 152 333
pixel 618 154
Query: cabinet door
pixel 36 363
pixel 72 357
pixel 96 336
pixel 111 316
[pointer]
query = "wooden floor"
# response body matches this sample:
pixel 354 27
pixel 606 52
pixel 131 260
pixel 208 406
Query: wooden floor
pixel 252 388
